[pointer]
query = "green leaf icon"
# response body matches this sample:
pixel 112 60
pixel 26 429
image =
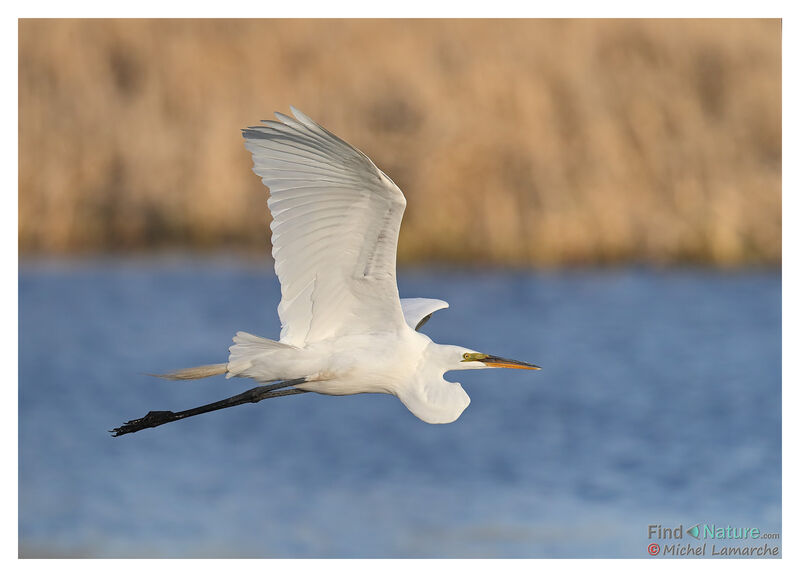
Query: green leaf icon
pixel 694 531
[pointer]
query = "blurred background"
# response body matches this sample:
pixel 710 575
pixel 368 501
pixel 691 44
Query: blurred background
pixel 515 141
pixel 599 197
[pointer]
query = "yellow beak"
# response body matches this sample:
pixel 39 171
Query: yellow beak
pixel 502 363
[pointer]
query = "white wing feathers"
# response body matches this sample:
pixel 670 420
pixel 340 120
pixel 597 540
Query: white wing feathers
pixel 417 311
pixel 335 222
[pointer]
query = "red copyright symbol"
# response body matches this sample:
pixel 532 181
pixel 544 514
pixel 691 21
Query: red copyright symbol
pixel 653 548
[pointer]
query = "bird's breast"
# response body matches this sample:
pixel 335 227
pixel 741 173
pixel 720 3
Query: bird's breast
pixel 373 363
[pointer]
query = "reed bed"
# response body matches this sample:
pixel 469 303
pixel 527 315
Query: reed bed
pixel 516 142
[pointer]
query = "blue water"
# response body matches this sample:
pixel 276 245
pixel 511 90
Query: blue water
pixel 659 403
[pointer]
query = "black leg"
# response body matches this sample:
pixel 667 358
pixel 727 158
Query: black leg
pixel 156 418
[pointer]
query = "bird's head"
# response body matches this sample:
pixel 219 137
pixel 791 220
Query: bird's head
pixel 473 360
pixel 459 359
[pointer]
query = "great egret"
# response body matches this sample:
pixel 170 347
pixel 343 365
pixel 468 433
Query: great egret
pixel 345 329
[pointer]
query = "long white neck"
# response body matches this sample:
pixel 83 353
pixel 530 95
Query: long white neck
pixel 430 397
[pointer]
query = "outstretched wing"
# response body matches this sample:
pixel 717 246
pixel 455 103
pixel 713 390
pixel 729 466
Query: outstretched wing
pixel 418 311
pixel 335 222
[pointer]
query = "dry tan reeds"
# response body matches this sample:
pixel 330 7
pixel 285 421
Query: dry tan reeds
pixel 515 141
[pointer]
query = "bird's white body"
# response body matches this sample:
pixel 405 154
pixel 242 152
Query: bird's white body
pixel 406 364
pixel 344 329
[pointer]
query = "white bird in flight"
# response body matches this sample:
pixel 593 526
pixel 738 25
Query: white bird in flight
pixel 344 328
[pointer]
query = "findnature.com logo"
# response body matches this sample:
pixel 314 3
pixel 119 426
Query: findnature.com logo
pixel 706 533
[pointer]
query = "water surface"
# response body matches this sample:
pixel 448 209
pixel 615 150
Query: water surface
pixel 659 403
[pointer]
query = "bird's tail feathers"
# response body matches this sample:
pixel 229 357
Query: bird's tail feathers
pixel 246 347
pixel 192 373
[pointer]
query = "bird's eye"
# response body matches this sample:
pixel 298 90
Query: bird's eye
pixel 466 356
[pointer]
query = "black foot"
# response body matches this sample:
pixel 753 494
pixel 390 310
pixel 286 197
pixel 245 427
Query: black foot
pixel 151 419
